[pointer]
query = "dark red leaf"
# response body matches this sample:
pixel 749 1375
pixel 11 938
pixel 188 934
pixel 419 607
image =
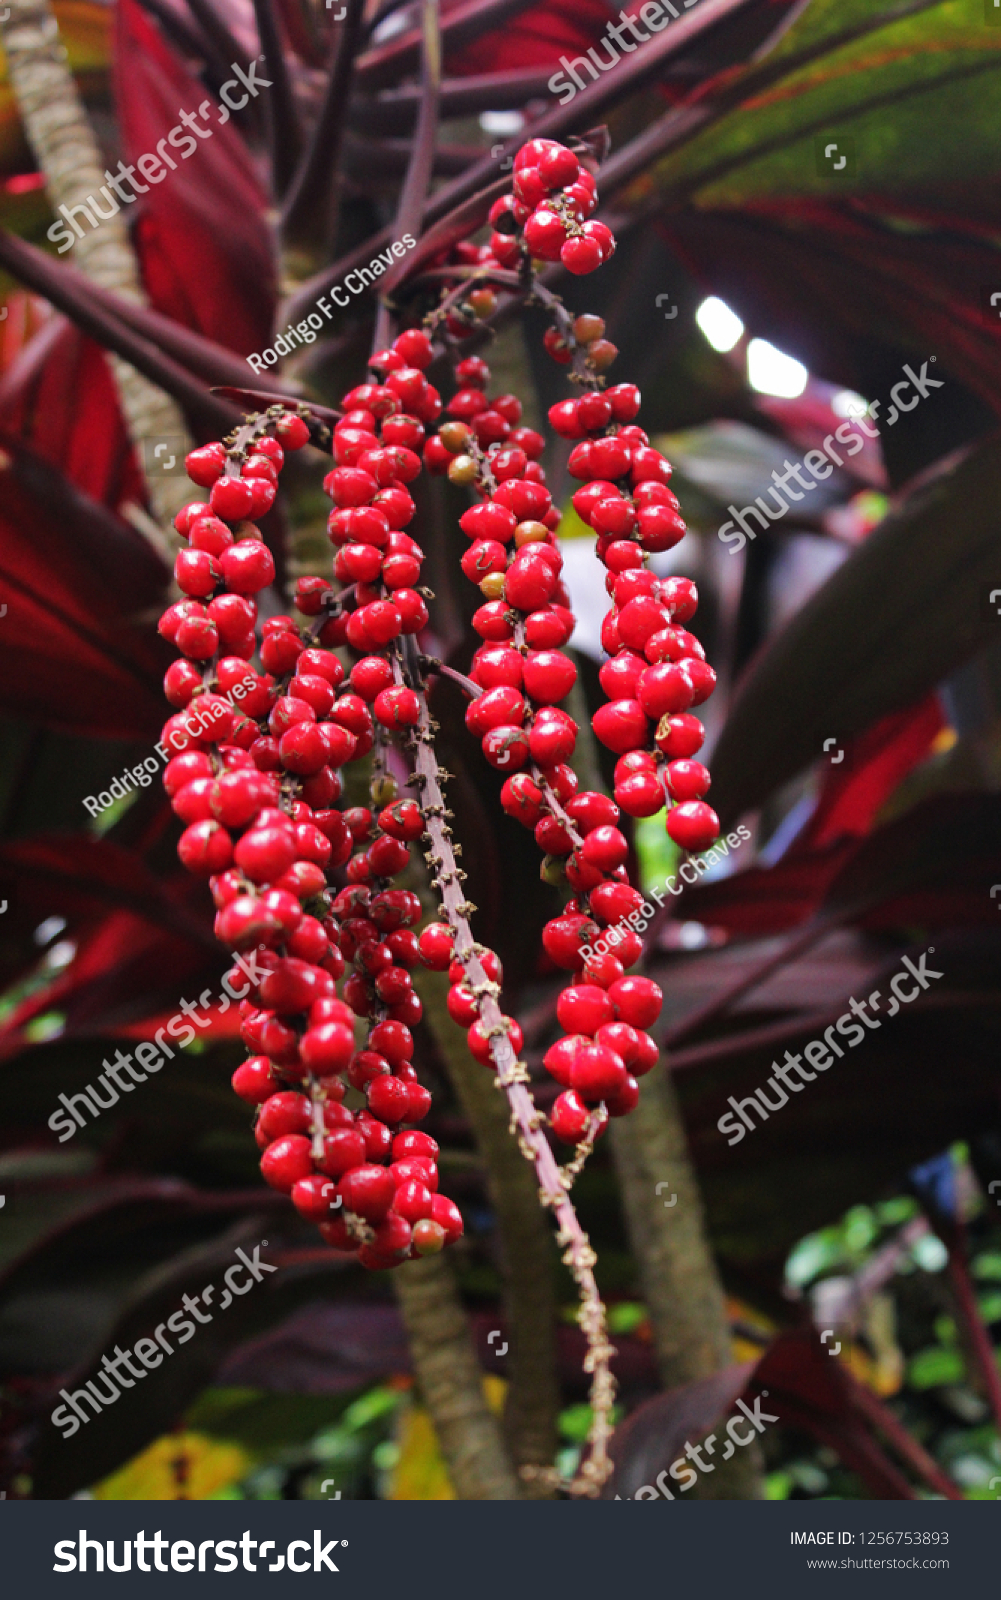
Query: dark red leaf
pixel 203 243
pixel 73 577
pixel 59 396
pixel 654 1435
pixel 873 765
pixel 537 36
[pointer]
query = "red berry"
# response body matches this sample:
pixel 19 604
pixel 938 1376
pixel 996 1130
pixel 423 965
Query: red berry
pixel 558 167
pixel 569 1117
pixel 624 399
pixel 285 1112
pixel 666 689
pixel 506 747
pixel 549 676
pixel 413 1201
pixel 265 853
pixel 479 1042
pixel 231 498
pixel 636 1001
pixel 436 944
pixel 621 725
pixel 693 825
pixel 563 939
pixel 447 1215
pixel 247 566
pixel 623 1100
pixel 205 848
pixel 253 1080
pixel 327 1048
pixel 368 1191
pixel 613 902
pixel 414 345
pixel 584 1008
pixel 292 431
pixel 605 848
pixel 687 780
pixel 680 736
pixel 581 255
pixel 620 676
pixel 545 234
pixel 397 708
pixel 312 1197
pixel 640 794
pixel 597 1071
pixel 388 1099
pixel 286 1161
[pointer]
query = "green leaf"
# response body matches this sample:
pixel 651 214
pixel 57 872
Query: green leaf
pixel 936 69
pixel 932 1367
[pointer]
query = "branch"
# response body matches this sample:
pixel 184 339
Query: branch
pixel 512 1078
pixel 309 212
pixel 395 111
pixel 417 181
pixel 89 309
pixel 281 117
pixel 533 1395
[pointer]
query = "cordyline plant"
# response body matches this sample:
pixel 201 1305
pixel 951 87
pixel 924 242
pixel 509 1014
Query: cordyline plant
pixel 332 170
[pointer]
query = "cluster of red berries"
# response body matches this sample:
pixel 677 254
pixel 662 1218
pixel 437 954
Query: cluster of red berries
pixel 522 675
pixel 657 670
pixel 552 201
pixel 257 786
pixel 257 782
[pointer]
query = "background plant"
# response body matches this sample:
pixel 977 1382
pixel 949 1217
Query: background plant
pixel 873 629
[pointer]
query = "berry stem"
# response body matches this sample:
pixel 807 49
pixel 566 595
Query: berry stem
pixel 526 1120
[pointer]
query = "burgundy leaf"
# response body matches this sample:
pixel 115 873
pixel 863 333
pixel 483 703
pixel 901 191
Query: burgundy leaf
pixel 655 1434
pixel 210 211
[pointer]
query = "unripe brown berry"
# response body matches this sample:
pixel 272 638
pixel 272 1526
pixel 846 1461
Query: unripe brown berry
pixel 588 327
pixel 602 353
pixel 530 533
pixel 454 436
pixel 552 872
pixel 492 586
pixel 428 1237
pixel 483 302
pixel 384 790
pixel 463 470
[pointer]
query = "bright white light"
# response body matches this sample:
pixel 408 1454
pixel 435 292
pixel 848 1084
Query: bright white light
pixel 502 122
pixel 61 954
pixel 847 403
pixel 390 26
pixel 721 326
pixel 771 371
pixel 48 929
